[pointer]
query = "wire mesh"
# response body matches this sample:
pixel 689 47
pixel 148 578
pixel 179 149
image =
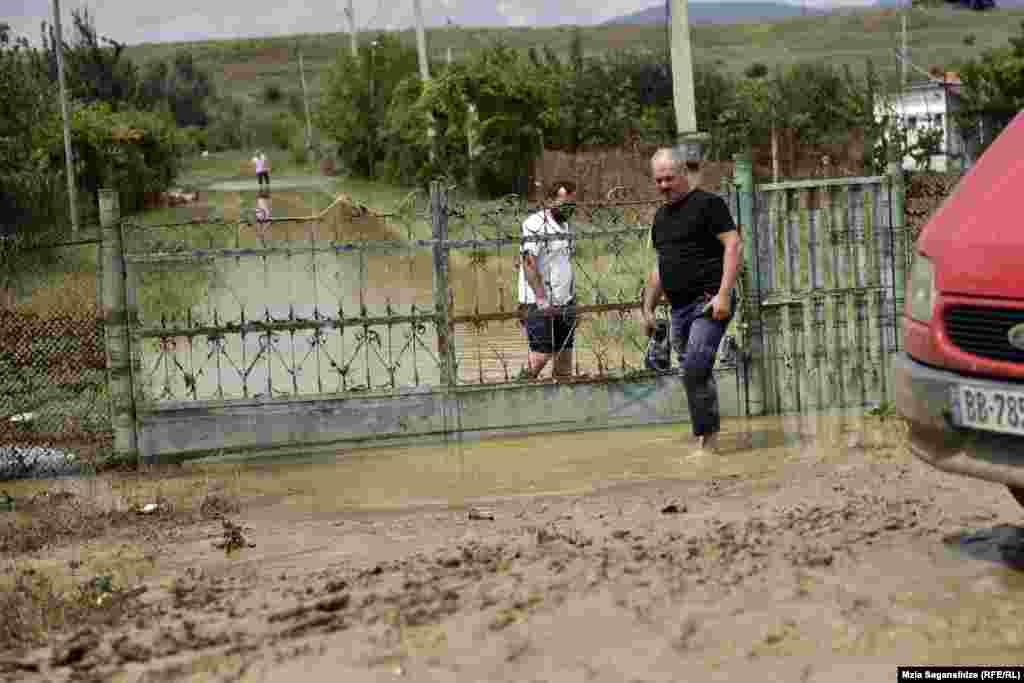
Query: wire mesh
pixel 54 407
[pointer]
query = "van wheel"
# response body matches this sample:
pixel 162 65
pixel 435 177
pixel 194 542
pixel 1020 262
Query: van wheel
pixel 1017 493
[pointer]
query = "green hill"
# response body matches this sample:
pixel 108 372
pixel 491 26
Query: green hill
pixel 736 12
pixel 245 67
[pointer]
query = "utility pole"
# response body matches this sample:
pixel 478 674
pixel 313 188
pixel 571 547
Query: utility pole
pixel 373 109
pixel 448 38
pixel 68 158
pixel 682 69
pixel 421 41
pixel 352 35
pixel 421 47
pixel 692 142
pixel 305 99
pixel 904 51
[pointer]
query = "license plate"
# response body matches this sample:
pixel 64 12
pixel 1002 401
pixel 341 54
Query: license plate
pixel 992 410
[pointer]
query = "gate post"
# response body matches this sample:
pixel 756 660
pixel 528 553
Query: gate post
pixel 753 335
pixel 442 294
pixel 116 321
pixel 901 246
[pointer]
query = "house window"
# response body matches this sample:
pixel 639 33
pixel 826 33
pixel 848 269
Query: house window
pixel 912 122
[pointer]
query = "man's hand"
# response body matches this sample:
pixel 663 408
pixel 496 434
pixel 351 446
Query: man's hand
pixel 721 306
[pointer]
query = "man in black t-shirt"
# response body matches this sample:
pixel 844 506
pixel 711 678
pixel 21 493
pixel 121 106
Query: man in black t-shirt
pixel 699 254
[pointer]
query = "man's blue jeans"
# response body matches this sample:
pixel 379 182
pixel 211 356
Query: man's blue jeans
pixel 696 337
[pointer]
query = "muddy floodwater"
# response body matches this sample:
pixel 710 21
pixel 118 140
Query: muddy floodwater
pixel 809 549
pixel 299 283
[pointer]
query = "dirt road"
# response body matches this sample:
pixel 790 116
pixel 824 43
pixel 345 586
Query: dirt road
pixel 811 549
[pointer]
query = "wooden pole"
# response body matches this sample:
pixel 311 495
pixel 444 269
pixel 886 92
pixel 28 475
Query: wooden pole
pixel 682 69
pixel 68 153
pixel 352 33
pixel 421 40
pixel 421 48
pixel 305 99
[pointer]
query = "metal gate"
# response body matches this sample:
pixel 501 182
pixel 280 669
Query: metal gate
pixel 823 283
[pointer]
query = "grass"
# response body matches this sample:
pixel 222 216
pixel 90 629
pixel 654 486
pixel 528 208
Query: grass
pixel 55 281
pixel 243 68
pixel 201 172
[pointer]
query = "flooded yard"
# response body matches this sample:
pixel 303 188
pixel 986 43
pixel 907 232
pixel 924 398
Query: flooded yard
pixel 810 549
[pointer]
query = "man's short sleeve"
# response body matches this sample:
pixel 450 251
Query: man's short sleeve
pixel 532 227
pixel 719 217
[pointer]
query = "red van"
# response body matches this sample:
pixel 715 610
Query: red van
pixel 960 380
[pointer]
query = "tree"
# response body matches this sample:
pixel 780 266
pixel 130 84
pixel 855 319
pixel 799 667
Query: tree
pixel 494 95
pixel 27 188
pixel 358 97
pixel 114 144
pixel 180 86
pixel 992 92
pixel 756 70
pixel 861 105
pixel 96 69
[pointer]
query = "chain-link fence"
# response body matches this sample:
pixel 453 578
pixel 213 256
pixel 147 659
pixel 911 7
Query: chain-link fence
pixel 54 410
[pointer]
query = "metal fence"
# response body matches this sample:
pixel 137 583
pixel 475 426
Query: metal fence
pixel 348 303
pixel 351 302
pixel 54 402
pixel 829 262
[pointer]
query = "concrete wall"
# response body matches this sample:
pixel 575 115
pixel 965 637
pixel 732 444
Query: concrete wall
pixel 197 429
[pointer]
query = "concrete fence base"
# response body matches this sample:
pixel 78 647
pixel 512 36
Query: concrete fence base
pixel 279 426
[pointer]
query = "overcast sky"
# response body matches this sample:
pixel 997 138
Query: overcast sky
pixel 135 21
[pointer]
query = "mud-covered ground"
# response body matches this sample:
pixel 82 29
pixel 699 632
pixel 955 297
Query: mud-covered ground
pixel 809 550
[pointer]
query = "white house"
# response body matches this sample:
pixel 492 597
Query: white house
pixel 928 105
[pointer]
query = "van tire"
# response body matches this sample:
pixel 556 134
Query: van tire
pixel 1017 493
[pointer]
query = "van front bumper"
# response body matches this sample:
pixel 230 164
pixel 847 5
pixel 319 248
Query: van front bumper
pixel 924 398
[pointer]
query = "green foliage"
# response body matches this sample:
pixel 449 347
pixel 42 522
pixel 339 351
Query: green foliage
pixel 227 129
pixel 272 93
pixel 136 152
pixel 26 185
pixel 358 96
pixel 756 70
pixel 993 91
pixel 285 127
pixel 179 86
pixel 927 144
pixel 114 145
pixel 494 99
pixel 96 68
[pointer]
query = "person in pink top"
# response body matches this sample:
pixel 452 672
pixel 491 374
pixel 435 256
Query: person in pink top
pixel 263 215
pixel 262 169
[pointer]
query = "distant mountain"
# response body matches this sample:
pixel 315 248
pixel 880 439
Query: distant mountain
pixel 723 13
pixel 1004 4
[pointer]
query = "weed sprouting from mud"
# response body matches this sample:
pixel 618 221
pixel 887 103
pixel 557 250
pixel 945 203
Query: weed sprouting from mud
pixel 233 538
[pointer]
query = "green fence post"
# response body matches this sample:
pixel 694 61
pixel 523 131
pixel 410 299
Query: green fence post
pixel 751 321
pixel 900 239
pixel 116 322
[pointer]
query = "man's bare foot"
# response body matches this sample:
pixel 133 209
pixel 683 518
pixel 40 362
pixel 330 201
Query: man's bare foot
pixel 708 443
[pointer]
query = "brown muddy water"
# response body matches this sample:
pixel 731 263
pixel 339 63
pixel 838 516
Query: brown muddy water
pixel 306 285
pixel 809 549
pixel 462 472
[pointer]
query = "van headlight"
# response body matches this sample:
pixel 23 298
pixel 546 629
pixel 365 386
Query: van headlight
pixel 921 289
